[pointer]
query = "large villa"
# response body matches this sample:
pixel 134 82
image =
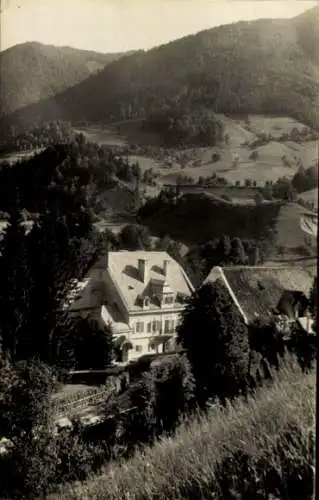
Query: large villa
pixel 140 295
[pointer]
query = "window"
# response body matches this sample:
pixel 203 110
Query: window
pixel 169 325
pixel 149 327
pixel 156 326
pixel 138 348
pixel 139 328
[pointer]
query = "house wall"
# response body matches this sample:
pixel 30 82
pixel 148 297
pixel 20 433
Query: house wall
pixel 141 339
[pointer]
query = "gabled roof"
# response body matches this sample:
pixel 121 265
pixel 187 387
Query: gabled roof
pixel 258 290
pixel 307 324
pixel 123 269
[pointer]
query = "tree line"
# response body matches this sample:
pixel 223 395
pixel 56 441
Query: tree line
pixel 74 165
pixel 288 189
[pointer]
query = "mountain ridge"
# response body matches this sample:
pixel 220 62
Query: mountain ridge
pixel 263 66
pixel 33 71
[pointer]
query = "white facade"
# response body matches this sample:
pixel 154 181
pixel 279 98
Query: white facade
pixel 140 296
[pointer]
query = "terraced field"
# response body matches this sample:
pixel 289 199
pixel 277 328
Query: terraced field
pixel 272 160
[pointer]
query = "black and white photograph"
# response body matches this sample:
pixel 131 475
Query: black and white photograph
pixel 158 249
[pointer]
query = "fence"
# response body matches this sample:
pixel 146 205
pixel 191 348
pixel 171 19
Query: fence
pixel 74 402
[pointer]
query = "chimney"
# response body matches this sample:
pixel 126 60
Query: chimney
pixel 165 267
pixel 143 269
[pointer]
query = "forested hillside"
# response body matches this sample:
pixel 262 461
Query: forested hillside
pixel 196 218
pixel 99 177
pixel 32 71
pixel 264 66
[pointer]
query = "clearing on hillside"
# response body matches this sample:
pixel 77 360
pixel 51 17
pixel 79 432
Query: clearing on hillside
pixel 236 160
pixel 290 227
pixel 310 196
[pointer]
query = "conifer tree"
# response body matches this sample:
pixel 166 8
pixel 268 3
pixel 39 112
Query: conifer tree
pixel 223 250
pixel 216 342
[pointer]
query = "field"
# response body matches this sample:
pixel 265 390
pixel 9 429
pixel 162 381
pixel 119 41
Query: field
pixel 310 196
pixel 18 156
pixel 256 447
pixel 268 165
pixel 290 234
pixel 118 134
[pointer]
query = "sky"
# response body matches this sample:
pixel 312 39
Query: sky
pixel 121 25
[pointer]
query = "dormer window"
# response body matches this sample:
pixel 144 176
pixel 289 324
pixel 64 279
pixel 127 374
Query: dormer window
pixel 146 302
pixel 139 301
pixel 169 298
pixel 157 300
pixel 181 297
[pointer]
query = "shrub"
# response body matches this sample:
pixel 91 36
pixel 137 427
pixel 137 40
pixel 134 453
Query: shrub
pixel 174 391
pixel 254 155
pixel 216 157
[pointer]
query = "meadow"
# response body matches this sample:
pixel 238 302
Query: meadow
pixel 277 158
pixel 311 196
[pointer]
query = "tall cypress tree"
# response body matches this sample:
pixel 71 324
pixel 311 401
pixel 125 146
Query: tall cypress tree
pixel 216 342
pixel 51 255
pixel 16 283
pixel 223 250
pixel 58 255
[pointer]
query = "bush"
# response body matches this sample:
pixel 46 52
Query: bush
pixel 254 155
pixel 216 157
pixel 174 391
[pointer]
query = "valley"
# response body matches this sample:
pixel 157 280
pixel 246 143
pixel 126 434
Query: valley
pixel 239 160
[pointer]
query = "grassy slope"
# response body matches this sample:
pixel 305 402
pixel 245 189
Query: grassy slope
pixel 197 460
pixel 33 71
pixel 268 166
pixel 289 232
pixel 310 196
pixel 270 64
